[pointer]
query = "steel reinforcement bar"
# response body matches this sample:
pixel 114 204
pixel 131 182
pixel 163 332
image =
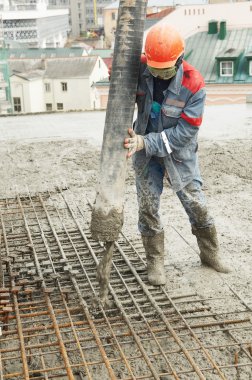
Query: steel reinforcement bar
pixel 53 326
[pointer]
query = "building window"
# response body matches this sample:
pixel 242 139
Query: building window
pixel 113 15
pixel 47 87
pixel 250 68
pixel 226 69
pixel 59 106
pixel 49 106
pixel 17 104
pixel 63 86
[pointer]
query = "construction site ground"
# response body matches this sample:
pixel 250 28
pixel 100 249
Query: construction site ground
pixel 45 160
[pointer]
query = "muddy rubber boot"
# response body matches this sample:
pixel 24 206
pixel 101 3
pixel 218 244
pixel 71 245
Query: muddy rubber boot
pixel 154 248
pixel 209 248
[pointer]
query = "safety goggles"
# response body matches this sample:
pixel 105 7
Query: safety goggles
pixel 165 74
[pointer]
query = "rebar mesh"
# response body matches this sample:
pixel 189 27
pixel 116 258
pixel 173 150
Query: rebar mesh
pixel 53 328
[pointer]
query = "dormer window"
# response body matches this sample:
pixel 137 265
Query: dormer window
pixel 226 68
pixel 228 62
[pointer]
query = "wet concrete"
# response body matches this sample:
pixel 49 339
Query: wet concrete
pixel 106 227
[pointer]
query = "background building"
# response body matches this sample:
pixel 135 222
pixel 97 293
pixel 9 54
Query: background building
pixel 86 16
pixel 218 43
pixel 228 48
pixel 31 24
pixel 56 84
pixel 110 14
pixel 224 58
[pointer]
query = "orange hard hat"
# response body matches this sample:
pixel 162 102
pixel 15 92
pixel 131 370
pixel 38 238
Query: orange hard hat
pixel 163 46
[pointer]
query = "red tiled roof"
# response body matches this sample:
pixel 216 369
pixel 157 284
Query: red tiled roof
pixel 108 61
pixel 161 14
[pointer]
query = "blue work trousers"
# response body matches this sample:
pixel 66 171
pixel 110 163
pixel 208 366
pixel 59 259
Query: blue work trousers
pixel 149 186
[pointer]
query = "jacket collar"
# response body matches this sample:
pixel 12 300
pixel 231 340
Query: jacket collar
pixel 175 85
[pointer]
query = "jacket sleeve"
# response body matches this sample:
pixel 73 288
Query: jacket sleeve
pixel 181 134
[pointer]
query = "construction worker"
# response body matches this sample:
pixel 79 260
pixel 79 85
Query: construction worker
pixel 163 143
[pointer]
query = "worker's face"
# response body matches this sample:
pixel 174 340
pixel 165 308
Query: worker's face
pixel 164 74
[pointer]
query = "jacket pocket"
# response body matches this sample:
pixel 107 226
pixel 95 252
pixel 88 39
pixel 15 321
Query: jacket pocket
pixel 171 111
pixel 186 153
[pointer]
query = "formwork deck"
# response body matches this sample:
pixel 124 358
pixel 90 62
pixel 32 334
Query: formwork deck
pixel 53 329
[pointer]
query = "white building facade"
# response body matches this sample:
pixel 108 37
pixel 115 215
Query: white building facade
pixel 64 84
pixel 31 24
pixel 190 19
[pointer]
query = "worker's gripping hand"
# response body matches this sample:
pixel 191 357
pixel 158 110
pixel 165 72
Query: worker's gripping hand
pixel 134 143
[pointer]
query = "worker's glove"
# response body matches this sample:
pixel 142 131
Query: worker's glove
pixel 134 143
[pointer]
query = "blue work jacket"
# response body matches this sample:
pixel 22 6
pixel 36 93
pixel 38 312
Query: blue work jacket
pixel 174 135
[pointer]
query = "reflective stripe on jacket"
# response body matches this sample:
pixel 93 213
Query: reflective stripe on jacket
pixel 180 119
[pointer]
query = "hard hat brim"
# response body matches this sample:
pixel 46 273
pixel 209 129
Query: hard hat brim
pixel 161 65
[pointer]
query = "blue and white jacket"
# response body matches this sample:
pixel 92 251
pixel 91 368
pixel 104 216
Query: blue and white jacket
pixel 174 136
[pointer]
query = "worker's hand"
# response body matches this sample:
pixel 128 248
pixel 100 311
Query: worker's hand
pixel 134 143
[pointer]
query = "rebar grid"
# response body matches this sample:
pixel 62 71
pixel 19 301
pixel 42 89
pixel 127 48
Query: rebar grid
pixel 53 328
